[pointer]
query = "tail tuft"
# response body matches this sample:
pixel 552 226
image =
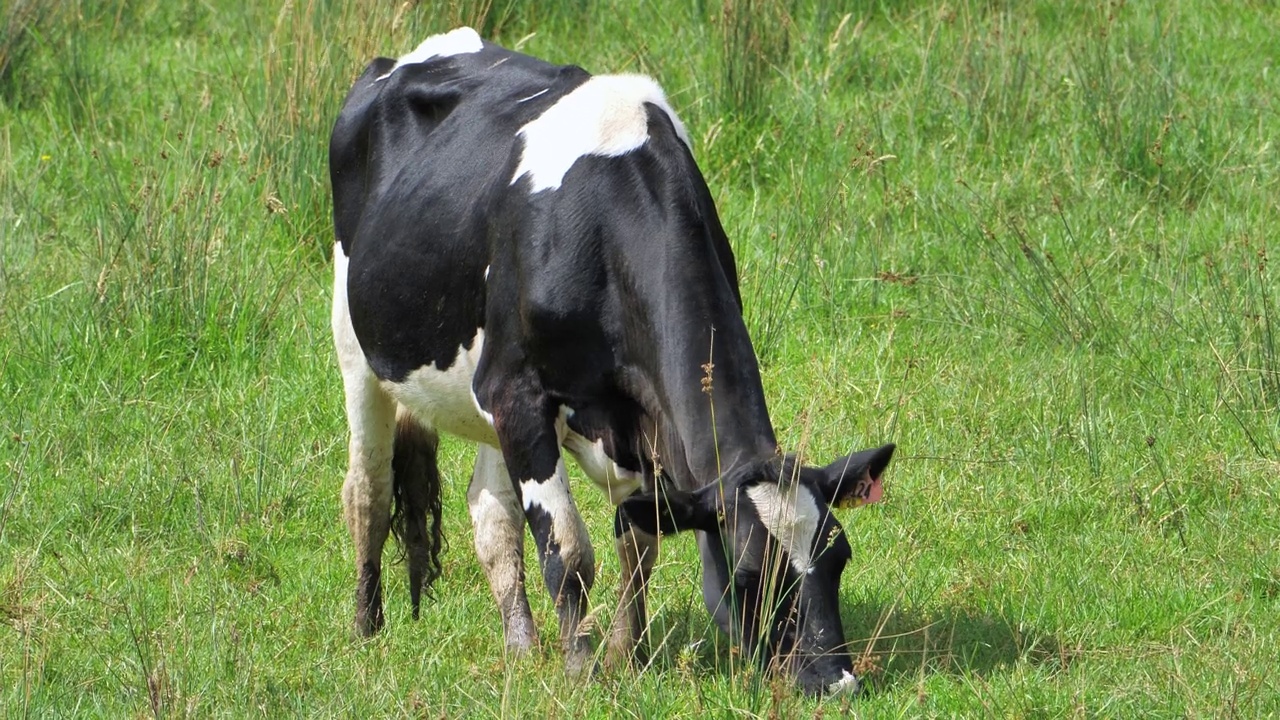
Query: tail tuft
pixel 415 517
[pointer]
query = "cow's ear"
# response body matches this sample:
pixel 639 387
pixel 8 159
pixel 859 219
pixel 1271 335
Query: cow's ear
pixel 673 511
pixel 849 481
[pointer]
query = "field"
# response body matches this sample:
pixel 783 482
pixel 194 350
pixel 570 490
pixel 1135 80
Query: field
pixel 1027 241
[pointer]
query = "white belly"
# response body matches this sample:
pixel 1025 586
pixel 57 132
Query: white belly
pixel 613 479
pixel 444 400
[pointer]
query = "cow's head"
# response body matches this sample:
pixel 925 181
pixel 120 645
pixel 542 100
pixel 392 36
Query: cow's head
pixel 773 553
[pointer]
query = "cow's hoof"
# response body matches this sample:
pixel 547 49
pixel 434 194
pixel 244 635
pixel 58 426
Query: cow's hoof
pixel 624 655
pixel 368 624
pixel 522 638
pixel 579 663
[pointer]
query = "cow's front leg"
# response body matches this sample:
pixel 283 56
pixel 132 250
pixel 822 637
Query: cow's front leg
pixel 498 522
pixel 564 551
pixel 531 447
pixel 637 551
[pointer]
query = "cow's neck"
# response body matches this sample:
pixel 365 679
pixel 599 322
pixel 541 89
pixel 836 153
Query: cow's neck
pixel 729 399
pixel 712 418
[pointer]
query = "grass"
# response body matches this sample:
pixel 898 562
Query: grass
pixel 1028 242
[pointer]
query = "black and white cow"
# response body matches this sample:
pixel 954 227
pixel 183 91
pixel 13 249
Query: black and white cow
pixel 528 258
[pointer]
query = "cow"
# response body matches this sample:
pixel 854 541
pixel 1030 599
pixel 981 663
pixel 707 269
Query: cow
pixel 528 258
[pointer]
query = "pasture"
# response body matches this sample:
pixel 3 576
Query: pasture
pixel 1029 242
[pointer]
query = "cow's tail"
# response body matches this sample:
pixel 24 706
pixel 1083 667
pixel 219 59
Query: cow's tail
pixel 415 518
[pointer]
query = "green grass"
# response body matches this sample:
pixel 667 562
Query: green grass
pixel 1028 242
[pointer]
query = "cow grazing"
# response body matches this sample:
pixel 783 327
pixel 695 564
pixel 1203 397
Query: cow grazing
pixel 528 258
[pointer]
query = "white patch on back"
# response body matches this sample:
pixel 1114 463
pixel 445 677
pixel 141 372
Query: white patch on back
pixel 792 517
pixel 459 41
pixel 610 477
pixel 603 116
pixel 444 400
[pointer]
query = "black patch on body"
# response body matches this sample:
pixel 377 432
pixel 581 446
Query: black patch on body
pixel 420 165
pixel 616 423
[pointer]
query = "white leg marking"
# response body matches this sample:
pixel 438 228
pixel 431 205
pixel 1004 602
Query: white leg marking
pixel 603 116
pixel 567 529
pixel 848 683
pixel 460 41
pixel 792 516
pixel 370 411
pixel 497 520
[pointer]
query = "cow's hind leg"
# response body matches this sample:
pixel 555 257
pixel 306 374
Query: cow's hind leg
pixel 637 551
pixel 366 498
pixel 498 522
pixel 366 494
